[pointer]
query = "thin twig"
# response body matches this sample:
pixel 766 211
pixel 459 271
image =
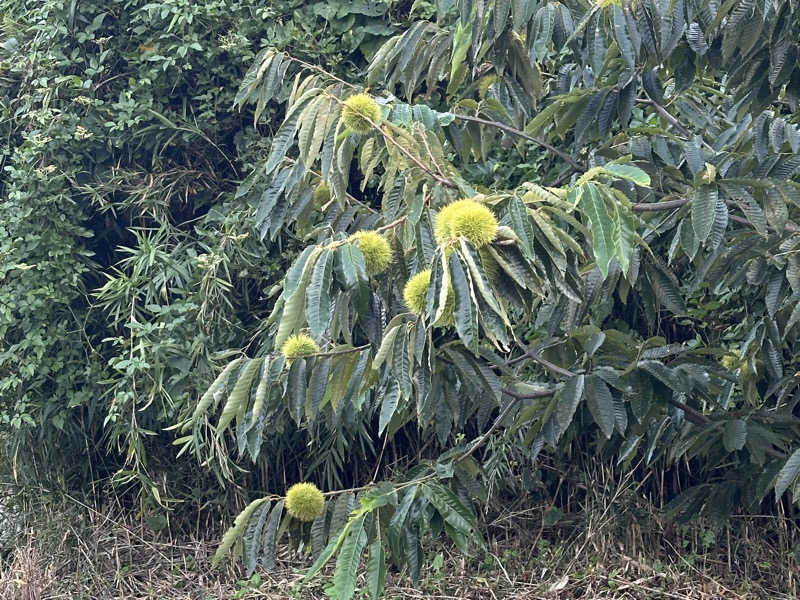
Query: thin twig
pixel 546 363
pixel 380 229
pixel 343 351
pixel 666 114
pixel 507 128
pixel 318 69
pixel 392 225
pixel 481 440
pixel 528 395
pixel 790 227
pixel 659 206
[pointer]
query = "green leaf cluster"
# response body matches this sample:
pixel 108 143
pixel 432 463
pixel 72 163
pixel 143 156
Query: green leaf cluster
pixel 640 163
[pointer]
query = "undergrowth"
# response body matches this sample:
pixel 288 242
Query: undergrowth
pixel 609 543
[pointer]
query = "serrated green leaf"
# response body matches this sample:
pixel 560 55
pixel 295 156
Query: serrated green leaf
pixel 318 383
pixel 387 344
pixel 219 383
pixel 462 37
pixel 388 406
pixel 594 207
pixel 294 306
pixel 296 388
pixel 788 474
pixel 704 205
pixel 284 137
pixel 376 565
pixel 624 234
pixel 735 435
pixel 236 530
pixel 568 399
pixel 240 395
pixel 450 508
pixel 466 316
pixel 521 225
pixel 667 292
pixel 270 536
pixel 350 265
pixel 482 281
pixel 348 559
pixel 601 404
pixel 318 300
pixel 251 540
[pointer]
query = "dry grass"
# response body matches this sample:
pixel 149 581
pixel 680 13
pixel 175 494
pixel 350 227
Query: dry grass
pixel 86 554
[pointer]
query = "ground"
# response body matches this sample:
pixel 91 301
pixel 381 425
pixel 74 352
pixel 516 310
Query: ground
pixel 91 554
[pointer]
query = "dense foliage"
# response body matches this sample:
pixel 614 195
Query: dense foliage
pixel 400 253
pixel 624 280
pixel 129 268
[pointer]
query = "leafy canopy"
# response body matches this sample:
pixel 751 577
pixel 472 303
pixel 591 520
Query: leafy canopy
pixel 639 294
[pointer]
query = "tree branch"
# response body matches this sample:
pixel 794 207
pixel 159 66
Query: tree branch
pixel 528 395
pixel 658 206
pixel 670 204
pixel 692 415
pixel 790 227
pixel 508 129
pixel 546 363
pixel 665 113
